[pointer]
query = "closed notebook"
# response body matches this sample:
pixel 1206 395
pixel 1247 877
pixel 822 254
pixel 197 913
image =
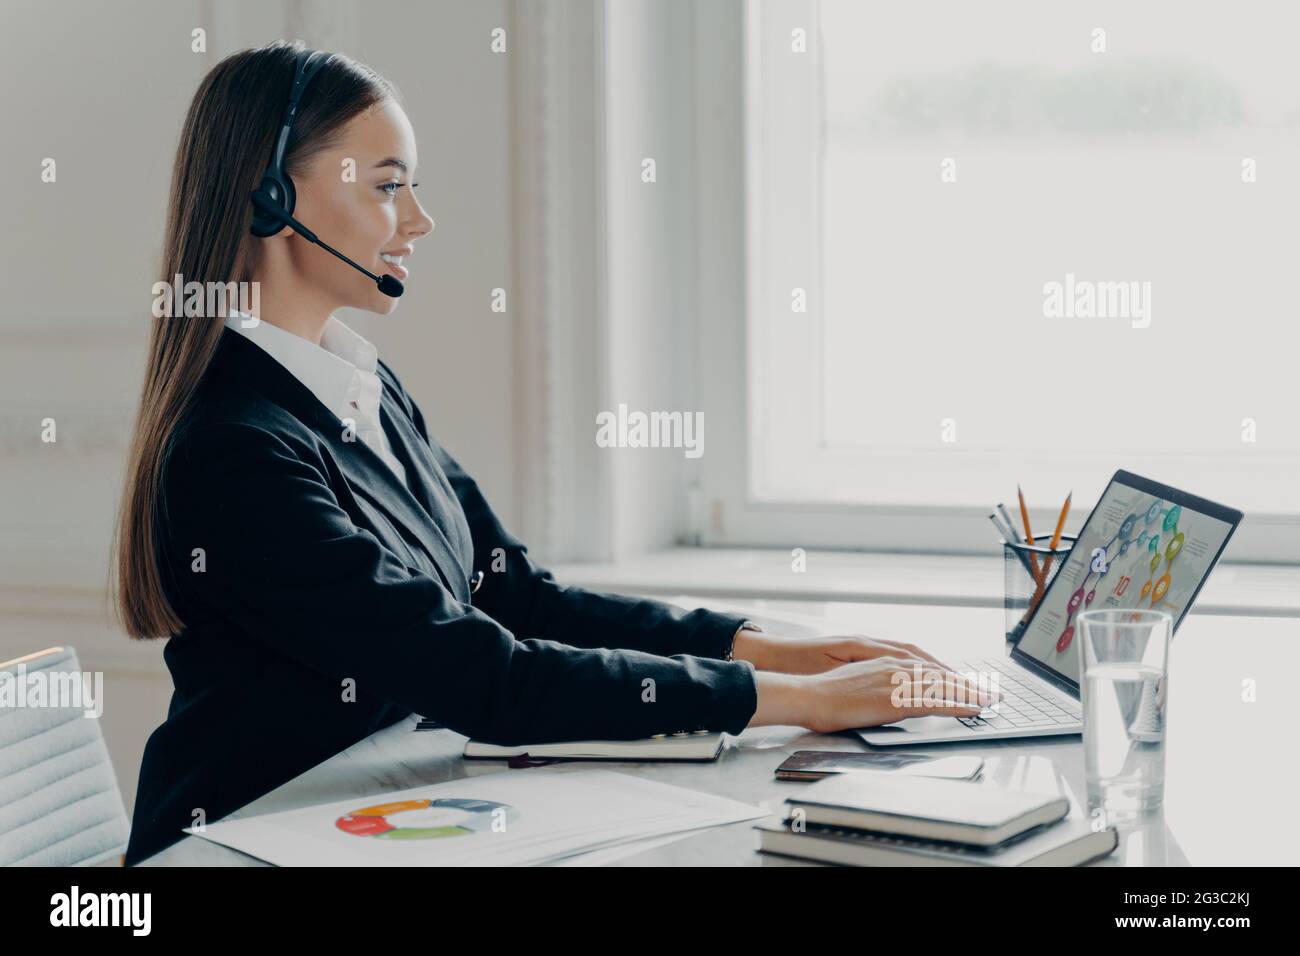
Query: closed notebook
pixel 925 807
pixel 1068 842
pixel 703 746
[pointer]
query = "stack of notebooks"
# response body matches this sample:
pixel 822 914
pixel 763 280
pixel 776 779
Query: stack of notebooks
pixel 875 818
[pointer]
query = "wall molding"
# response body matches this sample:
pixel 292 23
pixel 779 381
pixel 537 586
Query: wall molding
pixel 562 483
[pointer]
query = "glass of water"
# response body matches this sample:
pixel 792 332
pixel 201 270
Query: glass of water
pixel 1124 686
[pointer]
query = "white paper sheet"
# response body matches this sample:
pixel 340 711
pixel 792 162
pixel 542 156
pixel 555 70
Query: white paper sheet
pixel 621 850
pixel 511 818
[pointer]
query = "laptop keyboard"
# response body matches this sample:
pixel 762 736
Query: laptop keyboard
pixel 1022 703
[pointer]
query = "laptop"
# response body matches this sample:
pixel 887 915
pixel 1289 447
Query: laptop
pixel 1145 546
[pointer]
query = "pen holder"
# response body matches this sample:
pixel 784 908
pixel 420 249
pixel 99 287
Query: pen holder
pixel 1018 561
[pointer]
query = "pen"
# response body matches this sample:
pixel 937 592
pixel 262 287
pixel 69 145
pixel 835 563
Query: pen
pixel 1002 531
pixel 1011 539
pixel 1007 518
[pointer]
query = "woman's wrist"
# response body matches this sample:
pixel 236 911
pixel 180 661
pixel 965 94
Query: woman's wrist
pixel 755 647
pixel 783 700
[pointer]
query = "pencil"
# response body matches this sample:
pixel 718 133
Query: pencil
pixel 1047 562
pixel 1056 536
pixel 1029 535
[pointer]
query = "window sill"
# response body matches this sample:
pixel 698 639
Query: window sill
pixel 956 580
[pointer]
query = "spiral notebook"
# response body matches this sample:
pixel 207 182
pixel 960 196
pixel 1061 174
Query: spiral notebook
pixel 700 746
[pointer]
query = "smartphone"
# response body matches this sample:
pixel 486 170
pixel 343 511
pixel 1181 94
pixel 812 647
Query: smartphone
pixel 815 764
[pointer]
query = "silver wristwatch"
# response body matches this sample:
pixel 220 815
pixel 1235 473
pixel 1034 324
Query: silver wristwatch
pixel 746 625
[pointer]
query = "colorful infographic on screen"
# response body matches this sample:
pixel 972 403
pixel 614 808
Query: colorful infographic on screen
pixel 1137 551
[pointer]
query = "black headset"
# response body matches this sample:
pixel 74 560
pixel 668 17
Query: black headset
pixel 275 198
pixel 276 185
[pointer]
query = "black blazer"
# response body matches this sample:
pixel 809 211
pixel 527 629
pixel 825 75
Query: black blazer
pixel 323 601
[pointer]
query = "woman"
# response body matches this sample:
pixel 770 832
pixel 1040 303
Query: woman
pixel 323 567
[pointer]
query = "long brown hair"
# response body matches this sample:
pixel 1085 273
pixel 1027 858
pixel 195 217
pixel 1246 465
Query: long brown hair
pixel 224 147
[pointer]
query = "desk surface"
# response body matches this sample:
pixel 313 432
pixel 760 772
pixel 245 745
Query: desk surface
pixel 399 757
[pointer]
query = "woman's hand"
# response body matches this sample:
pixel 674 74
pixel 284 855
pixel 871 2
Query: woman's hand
pixel 866 694
pixel 816 655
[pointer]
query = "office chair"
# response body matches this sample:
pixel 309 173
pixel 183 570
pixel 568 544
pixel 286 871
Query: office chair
pixel 59 800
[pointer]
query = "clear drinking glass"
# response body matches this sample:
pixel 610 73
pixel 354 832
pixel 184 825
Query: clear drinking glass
pixel 1124 686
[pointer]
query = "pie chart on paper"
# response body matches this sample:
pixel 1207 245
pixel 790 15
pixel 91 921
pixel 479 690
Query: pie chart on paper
pixel 426 819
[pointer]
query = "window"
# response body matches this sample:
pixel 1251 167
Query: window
pixel 1017 242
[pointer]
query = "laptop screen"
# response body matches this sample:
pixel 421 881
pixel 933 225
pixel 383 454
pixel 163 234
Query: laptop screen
pixel 1147 547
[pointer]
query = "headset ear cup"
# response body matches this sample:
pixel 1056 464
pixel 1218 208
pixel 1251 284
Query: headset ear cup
pixel 279 189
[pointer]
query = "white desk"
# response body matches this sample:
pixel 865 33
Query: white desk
pixel 1207 775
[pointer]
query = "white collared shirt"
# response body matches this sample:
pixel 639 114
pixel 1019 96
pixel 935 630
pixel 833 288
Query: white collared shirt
pixel 340 372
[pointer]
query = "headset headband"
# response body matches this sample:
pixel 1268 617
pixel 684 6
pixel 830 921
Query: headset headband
pixel 309 61
pixel 276 184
